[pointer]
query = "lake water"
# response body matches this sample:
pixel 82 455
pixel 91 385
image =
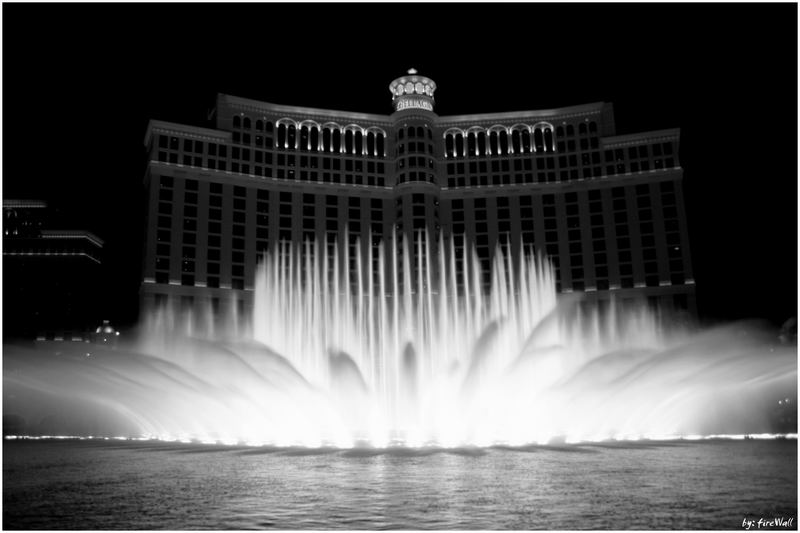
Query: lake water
pixel 100 484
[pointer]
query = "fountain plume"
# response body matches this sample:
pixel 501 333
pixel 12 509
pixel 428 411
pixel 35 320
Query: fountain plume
pixel 365 343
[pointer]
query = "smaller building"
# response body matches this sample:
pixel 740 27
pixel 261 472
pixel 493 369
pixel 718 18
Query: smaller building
pixel 51 277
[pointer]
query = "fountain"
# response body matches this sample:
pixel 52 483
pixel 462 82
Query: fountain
pixel 414 353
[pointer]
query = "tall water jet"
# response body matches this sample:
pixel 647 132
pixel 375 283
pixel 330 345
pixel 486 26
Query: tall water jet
pixel 423 353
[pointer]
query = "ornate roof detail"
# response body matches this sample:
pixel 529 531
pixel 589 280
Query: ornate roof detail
pixel 412 91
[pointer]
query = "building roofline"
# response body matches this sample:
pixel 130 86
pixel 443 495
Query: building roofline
pixel 72 234
pixel 162 125
pixel 442 121
pixel 23 204
pixel 270 107
pixel 634 138
pixel 33 253
pixel 561 112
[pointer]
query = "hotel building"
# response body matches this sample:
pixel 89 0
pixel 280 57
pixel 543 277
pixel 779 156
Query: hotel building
pixel 606 208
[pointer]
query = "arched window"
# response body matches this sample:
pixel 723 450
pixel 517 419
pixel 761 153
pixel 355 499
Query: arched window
pixel 503 142
pixel 548 140
pixel 451 148
pixel 560 131
pixel 246 123
pixel 329 131
pixel 337 141
pixel 538 140
pixel 411 132
pixel 287 134
pixel 268 127
pixel 516 142
pixel 582 128
pixel 237 121
pixel 481 143
pixel 309 135
pixel 348 142
pixel 371 144
pixel 401 134
pixel 472 148
pixel 358 149
pixel 592 127
pixel 526 142
pixel 260 125
pixel 570 130
pixel 459 145
pixel 282 135
pixel 494 143
pixel 420 132
pixel 326 140
pixel 381 143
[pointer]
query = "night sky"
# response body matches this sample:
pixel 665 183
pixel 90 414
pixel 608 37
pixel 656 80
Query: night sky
pixel 80 82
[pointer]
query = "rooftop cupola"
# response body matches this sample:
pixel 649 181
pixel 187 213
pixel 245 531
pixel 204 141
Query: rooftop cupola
pixel 412 91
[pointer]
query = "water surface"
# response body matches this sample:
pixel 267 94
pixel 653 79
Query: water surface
pixel 158 485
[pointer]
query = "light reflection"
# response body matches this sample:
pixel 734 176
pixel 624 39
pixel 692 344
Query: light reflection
pixel 430 445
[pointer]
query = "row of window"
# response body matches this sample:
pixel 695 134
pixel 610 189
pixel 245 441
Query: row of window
pixel 353 139
pixel 370 142
pixel 262 125
pixel 193 154
pixel 312 136
pixel 619 202
pixel 328 163
pixel 562 168
pixel 652 276
pixel 192 146
pixel 518 139
pixel 549 169
pixel 498 142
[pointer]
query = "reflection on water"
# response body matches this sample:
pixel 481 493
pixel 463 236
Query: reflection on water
pixel 155 485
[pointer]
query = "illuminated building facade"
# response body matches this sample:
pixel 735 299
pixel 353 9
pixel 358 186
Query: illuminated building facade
pixel 50 276
pixel 606 208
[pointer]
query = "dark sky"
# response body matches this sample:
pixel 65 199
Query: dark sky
pixel 80 82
